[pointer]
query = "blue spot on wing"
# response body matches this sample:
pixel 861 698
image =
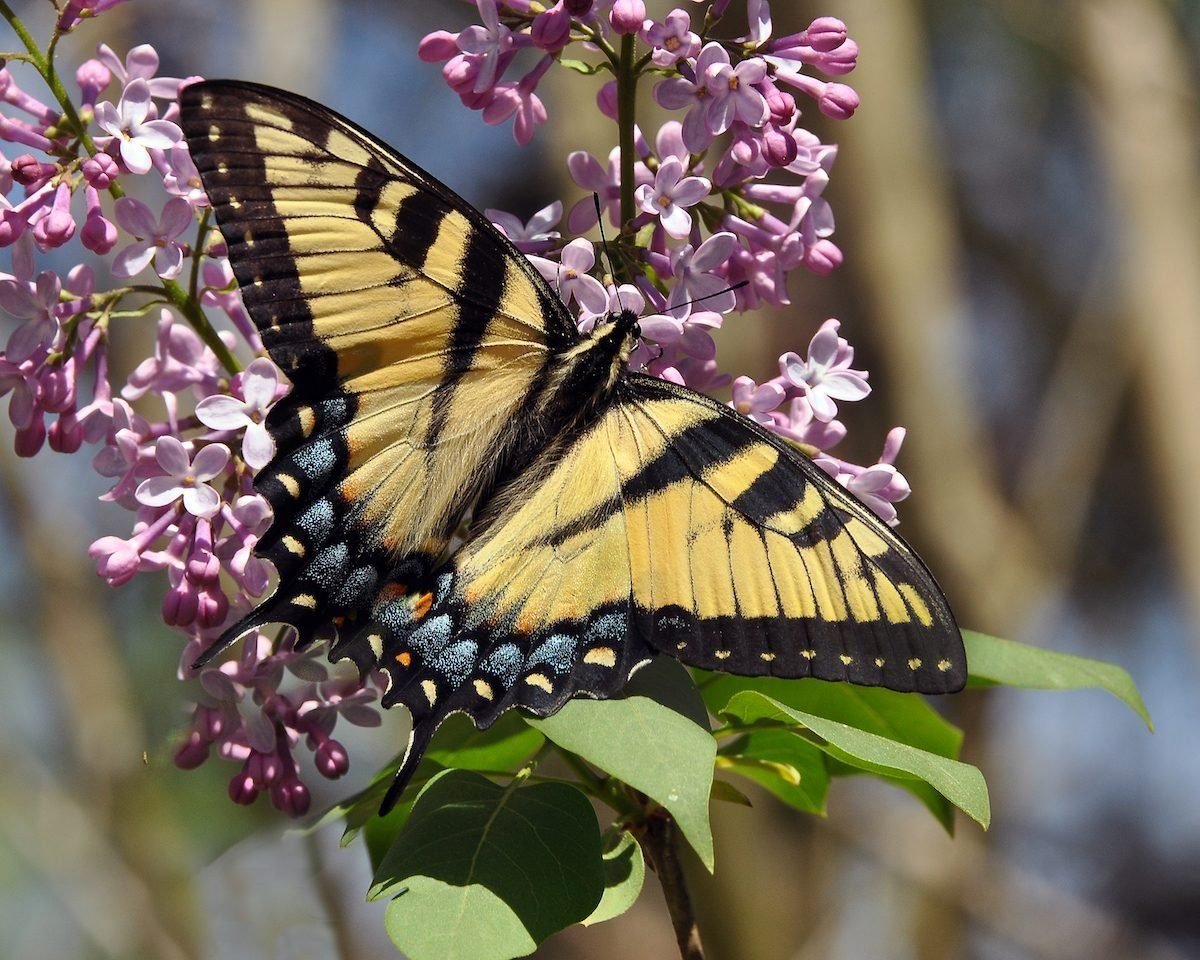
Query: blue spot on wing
pixel 505 663
pixel 431 636
pixel 558 651
pixel 456 661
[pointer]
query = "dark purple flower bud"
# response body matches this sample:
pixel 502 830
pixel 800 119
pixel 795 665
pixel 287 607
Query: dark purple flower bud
pixel 627 16
pixel 101 170
pixel 66 434
pixel 58 388
pixel 437 46
pixel 838 101
pixel 244 789
pixel 99 234
pixel 192 752
pixel 578 8
pixel 28 171
pixel 781 104
pixel 180 604
pixel 291 796
pixel 825 34
pixel 331 759
pixel 552 28
pixel 212 607
pixel 779 147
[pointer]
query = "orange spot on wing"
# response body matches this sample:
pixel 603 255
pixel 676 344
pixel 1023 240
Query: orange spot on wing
pixel 404 659
pixel 422 605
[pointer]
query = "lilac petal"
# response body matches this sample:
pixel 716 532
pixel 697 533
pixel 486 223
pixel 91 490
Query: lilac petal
pixel 676 221
pixel 697 134
pixel 259 383
pixel 675 93
pixel 361 716
pixel 172 456
pixel 222 412
pixel 28 338
pixel 696 342
pixel 669 141
pixel 160 134
pixel 822 349
pixel 508 224
pixel 767 397
pixel 668 175
pixel 201 500
pixel 750 72
pixel 257 446
pixel 210 461
pixel 546 218
pixel 168 261
pixel 579 255
pixel 141 62
pixel 751 108
pixel 260 729
pixel 720 114
pixel 176 217
pixel 843 385
pixel 547 268
pixel 586 171
pixel 712 54
pixel 660 328
pixel 590 293
pixel 158 491
pixel 714 251
pixel 873 479
pixel 582 216
pixel 135 156
pixel 823 408
pixel 135 102
pixel 134 258
pixel 135 217
pixel 16 298
pixel 691 190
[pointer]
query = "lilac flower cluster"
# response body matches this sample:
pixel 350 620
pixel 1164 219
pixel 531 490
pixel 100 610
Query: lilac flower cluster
pixel 715 210
pixel 186 477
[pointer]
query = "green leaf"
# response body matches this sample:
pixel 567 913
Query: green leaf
pixel 624 872
pixel 991 660
pixel 960 783
pixel 651 739
pixel 580 66
pixel 905 717
pixel 502 746
pixel 788 765
pixel 484 872
pixel 726 792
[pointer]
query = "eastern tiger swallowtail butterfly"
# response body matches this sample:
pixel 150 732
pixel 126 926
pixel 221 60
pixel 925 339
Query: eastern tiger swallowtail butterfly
pixel 616 516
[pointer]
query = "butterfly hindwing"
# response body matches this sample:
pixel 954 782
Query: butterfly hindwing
pixel 414 334
pixel 668 524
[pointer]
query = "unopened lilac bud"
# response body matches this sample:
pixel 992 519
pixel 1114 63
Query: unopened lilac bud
pixel 823 257
pixel 28 171
pixel 92 77
pixel 838 101
pixel 99 234
pixel 192 752
pixel 779 147
pixel 825 34
pixel 211 608
pixel 551 29
pixel 57 226
pixel 291 796
pixel 116 559
pixel 179 606
pixel 781 104
pixel 331 759
pixel 838 62
pixel 437 46
pixel 29 440
pixel 101 170
pixel 627 16
pixel 65 435
pixel 243 789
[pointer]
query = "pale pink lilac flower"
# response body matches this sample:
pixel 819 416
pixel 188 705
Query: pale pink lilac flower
pixel 128 127
pixel 692 94
pixel 537 235
pixel 731 93
pixel 37 304
pixel 185 478
pixel 825 376
pixel 672 38
pixel 756 401
pixel 572 276
pixel 258 386
pixel 670 196
pixel 487 43
pixel 695 279
pixel 157 241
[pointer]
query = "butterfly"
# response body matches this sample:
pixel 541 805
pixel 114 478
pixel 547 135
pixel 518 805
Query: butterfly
pixel 614 516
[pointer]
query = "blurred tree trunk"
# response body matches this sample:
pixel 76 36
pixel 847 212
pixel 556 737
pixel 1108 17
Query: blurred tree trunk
pixel 1148 133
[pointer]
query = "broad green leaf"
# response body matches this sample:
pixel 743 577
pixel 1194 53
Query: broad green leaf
pixel 624 872
pixel 483 872
pixel 651 740
pixel 960 783
pixel 726 792
pixel 502 746
pixel 991 660
pixel 788 765
pixel 906 717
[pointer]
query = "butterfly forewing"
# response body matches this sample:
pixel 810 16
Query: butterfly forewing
pixel 414 334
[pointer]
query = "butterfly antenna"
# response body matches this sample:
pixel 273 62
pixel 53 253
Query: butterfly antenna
pixel 612 271
pixel 709 296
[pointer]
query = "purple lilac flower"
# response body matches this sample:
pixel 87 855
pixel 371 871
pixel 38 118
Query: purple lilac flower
pixel 186 478
pixel 670 196
pixel 825 376
pixel 488 43
pixel 128 127
pixel 157 235
pixel 535 236
pixel 695 279
pixel 258 385
pixel 37 304
pixel 672 38
pixel 571 275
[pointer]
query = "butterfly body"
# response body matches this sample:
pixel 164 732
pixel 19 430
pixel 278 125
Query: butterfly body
pixel 615 516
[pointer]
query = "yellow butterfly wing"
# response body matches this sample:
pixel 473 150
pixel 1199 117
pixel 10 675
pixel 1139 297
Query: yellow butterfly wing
pixel 668 524
pixel 413 332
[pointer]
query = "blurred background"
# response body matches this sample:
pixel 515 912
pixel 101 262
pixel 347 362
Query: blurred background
pixel 1018 200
